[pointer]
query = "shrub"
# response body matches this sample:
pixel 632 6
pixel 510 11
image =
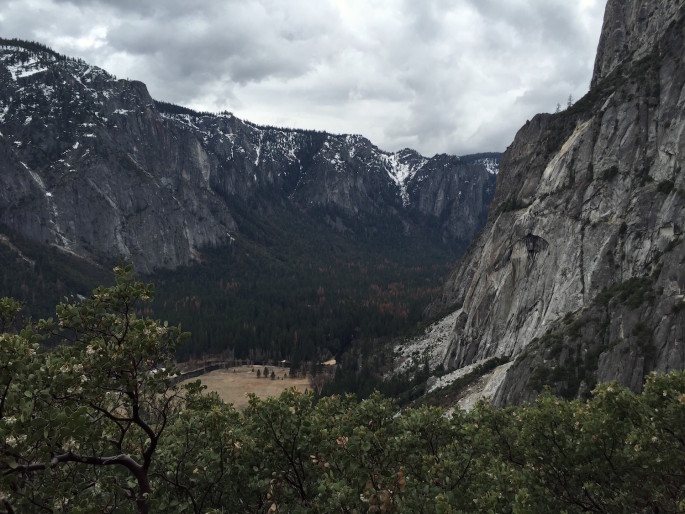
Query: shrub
pixel 610 173
pixel 665 186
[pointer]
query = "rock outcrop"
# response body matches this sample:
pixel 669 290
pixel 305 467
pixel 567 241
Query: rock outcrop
pixel 579 275
pixel 95 166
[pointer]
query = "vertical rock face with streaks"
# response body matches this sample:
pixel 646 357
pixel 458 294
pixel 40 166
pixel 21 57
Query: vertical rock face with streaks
pixel 95 166
pixel 578 275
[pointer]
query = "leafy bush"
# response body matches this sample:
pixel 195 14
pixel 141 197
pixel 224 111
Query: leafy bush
pixel 96 425
pixel 610 173
pixel 633 292
pixel 665 186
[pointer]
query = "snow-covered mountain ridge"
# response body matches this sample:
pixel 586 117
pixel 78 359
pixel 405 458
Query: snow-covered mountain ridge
pixel 94 165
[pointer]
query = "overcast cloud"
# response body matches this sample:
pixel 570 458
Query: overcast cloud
pixel 453 76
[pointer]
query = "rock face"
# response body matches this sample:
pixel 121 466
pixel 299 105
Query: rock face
pixel 631 30
pixel 95 166
pixel 579 275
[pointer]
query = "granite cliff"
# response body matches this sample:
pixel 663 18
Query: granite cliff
pixel 579 275
pixel 93 165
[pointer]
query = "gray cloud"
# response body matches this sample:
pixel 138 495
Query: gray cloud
pixel 437 75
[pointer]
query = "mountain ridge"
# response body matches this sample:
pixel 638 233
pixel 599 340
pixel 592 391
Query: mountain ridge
pixel 255 236
pixel 74 116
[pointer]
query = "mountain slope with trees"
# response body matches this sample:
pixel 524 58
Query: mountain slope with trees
pixel 265 242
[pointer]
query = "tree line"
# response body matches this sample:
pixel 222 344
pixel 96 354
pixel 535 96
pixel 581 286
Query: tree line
pixel 96 424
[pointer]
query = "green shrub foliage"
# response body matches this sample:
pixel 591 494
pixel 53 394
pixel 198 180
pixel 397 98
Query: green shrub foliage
pixel 96 424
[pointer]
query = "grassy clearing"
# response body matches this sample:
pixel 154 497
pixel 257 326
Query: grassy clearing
pixel 233 384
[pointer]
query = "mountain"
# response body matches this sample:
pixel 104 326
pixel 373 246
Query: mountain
pixel 262 241
pixel 94 166
pixel 578 276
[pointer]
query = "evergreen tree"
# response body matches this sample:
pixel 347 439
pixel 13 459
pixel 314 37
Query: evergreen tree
pixel 96 424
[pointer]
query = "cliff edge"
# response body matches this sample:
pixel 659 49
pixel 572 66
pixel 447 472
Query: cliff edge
pixel 578 275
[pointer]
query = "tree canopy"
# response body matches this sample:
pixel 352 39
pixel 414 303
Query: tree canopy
pixel 91 420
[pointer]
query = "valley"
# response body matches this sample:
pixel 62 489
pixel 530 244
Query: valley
pixel 478 333
pixel 265 243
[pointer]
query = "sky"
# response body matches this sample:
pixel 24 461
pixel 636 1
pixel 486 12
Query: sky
pixel 438 76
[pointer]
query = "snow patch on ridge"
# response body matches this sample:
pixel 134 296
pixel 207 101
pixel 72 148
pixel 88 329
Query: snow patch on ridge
pixel 491 165
pixel 36 178
pixel 26 69
pixel 401 172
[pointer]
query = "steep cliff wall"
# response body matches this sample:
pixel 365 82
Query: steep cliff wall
pixel 630 31
pixel 578 275
pixel 93 165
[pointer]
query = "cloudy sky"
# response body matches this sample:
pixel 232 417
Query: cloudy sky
pixel 453 76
